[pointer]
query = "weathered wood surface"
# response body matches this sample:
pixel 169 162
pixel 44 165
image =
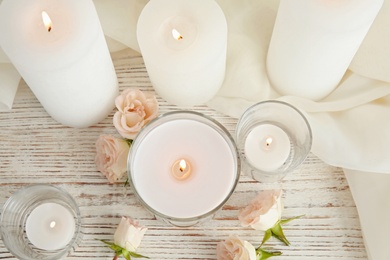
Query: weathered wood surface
pixel 36 149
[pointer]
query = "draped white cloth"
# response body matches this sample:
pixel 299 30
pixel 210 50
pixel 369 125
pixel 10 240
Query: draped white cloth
pixel 351 126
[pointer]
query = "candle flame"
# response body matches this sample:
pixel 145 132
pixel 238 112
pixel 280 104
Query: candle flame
pixel 177 35
pixel 47 21
pixel 183 165
pixel 52 224
pixel 268 141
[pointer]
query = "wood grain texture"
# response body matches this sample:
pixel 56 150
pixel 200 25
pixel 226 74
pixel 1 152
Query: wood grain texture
pixel 36 149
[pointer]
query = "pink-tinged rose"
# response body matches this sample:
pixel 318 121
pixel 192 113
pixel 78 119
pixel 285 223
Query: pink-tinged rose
pixel 263 212
pixel 129 234
pixel 135 109
pixel 233 248
pixel 111 157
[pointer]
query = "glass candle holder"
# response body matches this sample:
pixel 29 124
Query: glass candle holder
pixel 183 166
pixel 40 221
pixel 273 138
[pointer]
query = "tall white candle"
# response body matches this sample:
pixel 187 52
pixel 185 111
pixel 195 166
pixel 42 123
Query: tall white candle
pixel 206 181
pixel 184 43
pixel 313 43
pixel 67 66
pixel 267 147
pixel 50 226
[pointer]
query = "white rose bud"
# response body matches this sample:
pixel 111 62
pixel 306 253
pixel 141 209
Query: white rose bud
pixel 129 234
pixel 263 212
pixel 235 248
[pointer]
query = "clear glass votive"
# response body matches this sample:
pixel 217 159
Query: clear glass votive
pixel 40 221
pixel 183 166
pixel 273 138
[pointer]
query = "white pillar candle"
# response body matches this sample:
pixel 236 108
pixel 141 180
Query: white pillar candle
pixel 313 43
pixel 267 147
pixel 205 181
pixel 50 226
pixel 183 43
pixel 68 67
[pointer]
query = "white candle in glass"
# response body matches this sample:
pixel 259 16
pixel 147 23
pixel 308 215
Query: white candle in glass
pixel 156 174
pixel 313 43
pixel 66 63
pixel 184 43
pixel 50 226
pixel 267 147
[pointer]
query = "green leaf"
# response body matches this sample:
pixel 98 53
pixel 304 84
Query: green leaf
pixel 135 255
pixel 113 246
pixel 262 254
pixel 129 141
pixel 267 235
pixel 284 221
pixel 277 231
pixel 126 254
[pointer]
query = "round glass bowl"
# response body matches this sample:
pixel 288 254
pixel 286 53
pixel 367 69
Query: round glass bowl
pixel 273 138
pixel 40 221
pixel 183 166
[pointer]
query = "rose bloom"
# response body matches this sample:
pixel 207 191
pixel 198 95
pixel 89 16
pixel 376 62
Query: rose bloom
pixel 233 248
pixel 135 109
pixel 111 157
pixel 263 212
pixel 129 234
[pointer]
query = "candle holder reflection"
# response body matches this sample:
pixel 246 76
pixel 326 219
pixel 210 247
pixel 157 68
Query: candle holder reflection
pixel 273 139
pixel 183 166
pixel 40 222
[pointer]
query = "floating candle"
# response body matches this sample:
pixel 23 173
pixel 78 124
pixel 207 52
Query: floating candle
pixel 195 166
pixel 50 226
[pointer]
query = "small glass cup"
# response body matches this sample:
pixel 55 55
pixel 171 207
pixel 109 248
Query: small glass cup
pixel 19 209
pixel 190 194
pixel 273 138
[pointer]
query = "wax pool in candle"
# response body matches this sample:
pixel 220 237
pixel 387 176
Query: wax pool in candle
pixel 50 226
pixel 184 43
pixel 66 63
pixel 213 169
pixel 313 43
pixel 267 147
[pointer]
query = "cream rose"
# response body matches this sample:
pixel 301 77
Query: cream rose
pixel 111 157
pixel 135 109
pixel 129 234
pixel 233 248
pixel 263 212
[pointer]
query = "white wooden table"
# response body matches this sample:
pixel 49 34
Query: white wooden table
pixel 36 149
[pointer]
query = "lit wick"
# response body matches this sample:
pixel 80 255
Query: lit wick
pixel 177 35
pixel 268 142
pixel 47 21
pixel 181 169
pixel 52 224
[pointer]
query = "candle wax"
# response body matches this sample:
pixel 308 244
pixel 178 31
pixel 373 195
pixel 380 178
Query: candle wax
pixel 186 70
pixel 267 147
pixel 50 226
pixel 213 169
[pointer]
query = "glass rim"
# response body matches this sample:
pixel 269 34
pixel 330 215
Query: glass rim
pixel 224 133
pixel 76 237
pixel 278 102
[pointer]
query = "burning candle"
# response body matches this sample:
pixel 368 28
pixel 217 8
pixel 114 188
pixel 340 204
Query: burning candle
pixel 195 166
pixel 267 147
pixel 50 226
pixel 58 47
pixel 273 138
pixel 184 45
pixel 313 43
